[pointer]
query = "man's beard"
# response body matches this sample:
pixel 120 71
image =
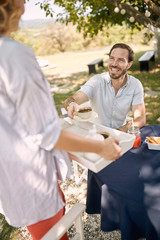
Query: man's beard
pixel 117 75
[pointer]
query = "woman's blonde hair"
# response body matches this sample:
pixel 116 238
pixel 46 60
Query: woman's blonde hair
pixel 9 16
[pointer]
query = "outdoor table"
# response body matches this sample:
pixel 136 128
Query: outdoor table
pixel 127 192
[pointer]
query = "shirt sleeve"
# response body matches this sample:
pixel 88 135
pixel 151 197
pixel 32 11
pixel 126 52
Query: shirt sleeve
pixel 90 86
pixel 138 97
pixel 34 106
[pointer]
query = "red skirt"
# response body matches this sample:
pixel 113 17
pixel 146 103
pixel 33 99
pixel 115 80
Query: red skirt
pixel 39 229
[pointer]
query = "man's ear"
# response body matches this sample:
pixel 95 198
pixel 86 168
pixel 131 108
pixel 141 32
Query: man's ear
pixel 129 64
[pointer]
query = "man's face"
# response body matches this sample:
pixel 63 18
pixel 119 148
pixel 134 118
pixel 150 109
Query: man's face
pixel 118 63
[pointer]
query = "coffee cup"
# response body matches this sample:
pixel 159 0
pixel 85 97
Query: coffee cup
pixel 104 134
pixel 85 112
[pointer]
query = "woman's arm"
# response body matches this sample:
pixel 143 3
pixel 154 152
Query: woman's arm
pixel 108 149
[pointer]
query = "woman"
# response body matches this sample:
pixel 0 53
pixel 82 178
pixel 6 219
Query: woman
pixel 31 137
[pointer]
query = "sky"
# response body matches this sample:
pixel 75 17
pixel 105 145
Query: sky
pixel 33 11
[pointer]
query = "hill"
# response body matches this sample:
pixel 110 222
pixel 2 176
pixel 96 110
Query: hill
pixel 36 23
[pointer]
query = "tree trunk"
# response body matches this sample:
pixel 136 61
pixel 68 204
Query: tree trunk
pixel 157 45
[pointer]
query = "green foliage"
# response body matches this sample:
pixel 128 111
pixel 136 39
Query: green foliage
pixel 56 37
pixel 32 37
pixel 92 16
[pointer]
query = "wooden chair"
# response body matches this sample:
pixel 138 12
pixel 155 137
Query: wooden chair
pixel 73 216
pixel 78 177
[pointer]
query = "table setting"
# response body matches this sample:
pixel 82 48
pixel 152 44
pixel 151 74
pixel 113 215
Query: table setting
pixel 126 193
pixel 87 128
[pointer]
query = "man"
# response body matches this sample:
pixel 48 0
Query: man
pixel 114 93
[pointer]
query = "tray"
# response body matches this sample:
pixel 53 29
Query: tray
pixel 82 128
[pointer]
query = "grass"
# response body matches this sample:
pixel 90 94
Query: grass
pixel 72 68
pixel 150 80
pixel 7 232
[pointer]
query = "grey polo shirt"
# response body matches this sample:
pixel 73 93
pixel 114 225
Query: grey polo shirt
pixel 113 109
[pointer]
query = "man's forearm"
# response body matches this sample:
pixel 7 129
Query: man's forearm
pixel 138 122
pixel 78 97
pixel 125 127
pixel 68 101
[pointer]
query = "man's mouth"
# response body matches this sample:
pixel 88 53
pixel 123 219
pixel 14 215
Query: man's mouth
pixel 114 70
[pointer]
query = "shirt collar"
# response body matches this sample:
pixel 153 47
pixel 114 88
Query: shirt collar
pixel 107 77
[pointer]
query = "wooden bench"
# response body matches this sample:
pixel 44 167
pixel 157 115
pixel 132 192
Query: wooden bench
pixel 145 59
pixel 93 64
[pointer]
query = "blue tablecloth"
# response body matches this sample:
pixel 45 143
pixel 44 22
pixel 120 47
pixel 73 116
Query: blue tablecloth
pixel 127 192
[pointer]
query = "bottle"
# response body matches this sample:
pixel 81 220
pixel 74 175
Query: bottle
pixel 135 130
pixel 93 135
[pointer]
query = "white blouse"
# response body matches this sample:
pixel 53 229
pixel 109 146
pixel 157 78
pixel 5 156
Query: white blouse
pixel 29 129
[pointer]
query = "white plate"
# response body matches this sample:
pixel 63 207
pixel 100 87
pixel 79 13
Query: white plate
pixel 93 116
pixel 153 146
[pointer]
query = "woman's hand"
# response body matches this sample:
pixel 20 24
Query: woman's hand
pixel 110 149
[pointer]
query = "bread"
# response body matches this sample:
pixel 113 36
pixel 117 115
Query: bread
pixel 151 139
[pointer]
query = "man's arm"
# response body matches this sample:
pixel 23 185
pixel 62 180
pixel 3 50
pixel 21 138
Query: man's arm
pixel 139 118
pixel 139 115
pixel 72 103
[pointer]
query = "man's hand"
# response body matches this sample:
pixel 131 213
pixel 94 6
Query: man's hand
pixel 72 109
pixel 111 149
pixel 125 127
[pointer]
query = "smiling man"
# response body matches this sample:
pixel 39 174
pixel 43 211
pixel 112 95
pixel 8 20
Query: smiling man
pixel 114 93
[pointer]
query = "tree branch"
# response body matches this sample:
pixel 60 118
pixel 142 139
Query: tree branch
pixel 153 7
pixel 133 12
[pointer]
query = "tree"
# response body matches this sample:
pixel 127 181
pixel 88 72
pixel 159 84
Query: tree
pixel 58 36
pixel 91 16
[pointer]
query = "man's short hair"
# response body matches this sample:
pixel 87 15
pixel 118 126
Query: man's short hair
pixel 124 46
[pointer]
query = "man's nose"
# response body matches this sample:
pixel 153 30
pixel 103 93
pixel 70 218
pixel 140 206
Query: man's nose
pixel 115 62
